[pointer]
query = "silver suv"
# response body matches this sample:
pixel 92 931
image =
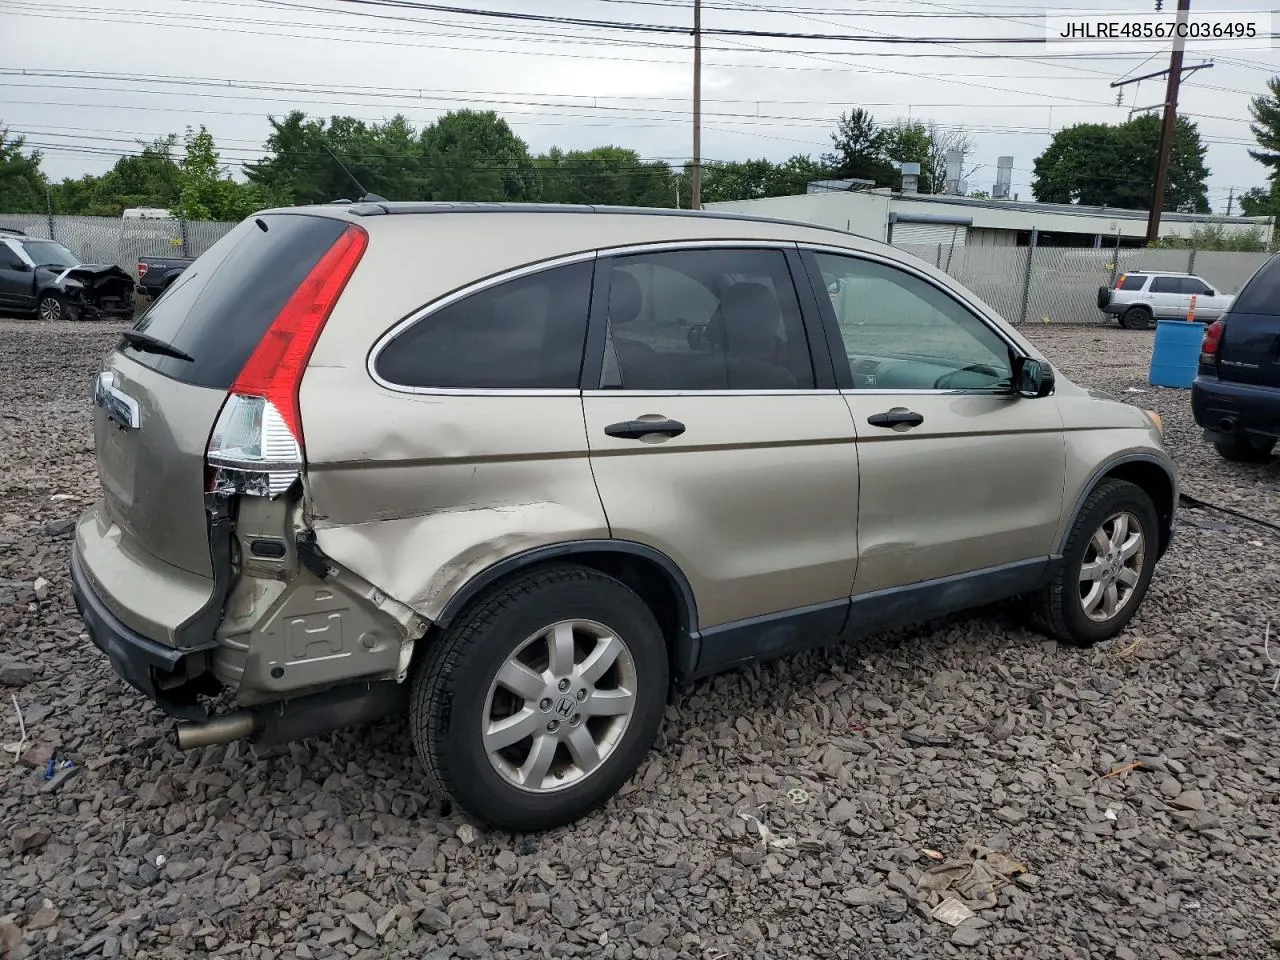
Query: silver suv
pixel 1142 296
pixel 519 470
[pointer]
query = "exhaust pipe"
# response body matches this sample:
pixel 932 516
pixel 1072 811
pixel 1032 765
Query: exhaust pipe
pixel 1226 425
pixel 224 729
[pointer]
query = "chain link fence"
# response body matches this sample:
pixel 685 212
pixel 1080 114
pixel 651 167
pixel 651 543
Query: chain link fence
pixel 119 240
pixel 1060 284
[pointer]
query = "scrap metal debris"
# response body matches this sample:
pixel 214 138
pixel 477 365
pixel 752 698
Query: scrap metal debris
pixel 798 795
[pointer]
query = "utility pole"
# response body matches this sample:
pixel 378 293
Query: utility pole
pixel 1167 127
pixel 1231 196
pixel 696 186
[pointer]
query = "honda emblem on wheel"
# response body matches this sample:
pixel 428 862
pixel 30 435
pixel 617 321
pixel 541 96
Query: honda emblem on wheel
pixel 565 708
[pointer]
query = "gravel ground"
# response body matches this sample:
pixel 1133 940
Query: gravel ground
pixel 332 848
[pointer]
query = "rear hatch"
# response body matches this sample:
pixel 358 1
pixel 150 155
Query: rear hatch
pixel 1249 349
pixel 211 320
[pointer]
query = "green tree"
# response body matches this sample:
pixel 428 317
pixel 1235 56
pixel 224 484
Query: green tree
pixel 753 179
pixel 859 153
pixel 147 179
pixel 22 184
pixel 908 141
pixel 1214 236
pixel 472 155
pixel 1265 127
pixel 1100 164
pixel 604 175
pixel 205 190
pixel 1261 201
pixel 300 167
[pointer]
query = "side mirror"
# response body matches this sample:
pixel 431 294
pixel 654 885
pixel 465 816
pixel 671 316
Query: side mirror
pixel 1032 378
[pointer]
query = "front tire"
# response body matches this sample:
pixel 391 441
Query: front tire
pixel 51 308
pixel 1136 318
pixel 1245 450
pixel 542 699
pixel 1106 568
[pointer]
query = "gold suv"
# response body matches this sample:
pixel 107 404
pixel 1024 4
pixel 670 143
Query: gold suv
pixel 516 471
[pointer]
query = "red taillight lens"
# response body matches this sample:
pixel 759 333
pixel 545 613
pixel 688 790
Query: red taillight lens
pixel 274 369
pixel 1212 337
pixel 142 269
pixel 256 444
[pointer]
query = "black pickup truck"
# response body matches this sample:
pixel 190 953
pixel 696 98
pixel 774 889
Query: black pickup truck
pixel 1236 393
pixel 156 273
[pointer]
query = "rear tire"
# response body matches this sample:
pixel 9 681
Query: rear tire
pixel 583 736
pixel 1136 318
pixel 1245 450
pixel 1078 606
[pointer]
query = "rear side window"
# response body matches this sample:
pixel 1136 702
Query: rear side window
pixel 1167 285
pixel 221 306
pixel 1132 282
pixel 1261 295
pixel 523 334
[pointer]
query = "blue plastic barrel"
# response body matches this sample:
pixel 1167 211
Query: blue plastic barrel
pixel 1176 354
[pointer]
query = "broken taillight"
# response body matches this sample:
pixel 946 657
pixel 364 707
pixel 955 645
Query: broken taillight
pixel 256 447
pixel 142 269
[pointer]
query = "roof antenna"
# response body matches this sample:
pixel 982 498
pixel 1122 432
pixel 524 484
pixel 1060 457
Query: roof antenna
pixel 365 195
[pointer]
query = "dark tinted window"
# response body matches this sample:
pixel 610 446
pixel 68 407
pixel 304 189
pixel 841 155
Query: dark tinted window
pixel 220 306
pixel 1133 281
pixel 705 320
pixel 526 333
pixel 1261 294
pixel 1167 285
pixel 8 259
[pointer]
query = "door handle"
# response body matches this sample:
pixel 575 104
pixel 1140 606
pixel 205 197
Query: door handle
pixel 896 418
pixel 636 429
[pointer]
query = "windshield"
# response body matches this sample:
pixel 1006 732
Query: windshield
pixel 47 253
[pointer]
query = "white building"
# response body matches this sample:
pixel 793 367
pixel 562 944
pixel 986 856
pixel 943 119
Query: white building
pixel 963 221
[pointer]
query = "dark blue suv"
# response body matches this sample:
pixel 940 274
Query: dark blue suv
pixel 1236 394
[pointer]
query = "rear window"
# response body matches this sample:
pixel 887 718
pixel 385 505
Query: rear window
pixel 525 333
pixel 1132 282
pixel 1261 294
pixel 221 306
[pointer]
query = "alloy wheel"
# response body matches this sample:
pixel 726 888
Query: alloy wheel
pixel 559 706
pixel 1112 566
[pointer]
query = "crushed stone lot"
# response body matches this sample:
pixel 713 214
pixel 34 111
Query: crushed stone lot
pixel 788 812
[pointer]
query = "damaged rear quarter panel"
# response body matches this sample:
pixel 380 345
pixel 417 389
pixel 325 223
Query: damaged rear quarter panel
pixel 419 494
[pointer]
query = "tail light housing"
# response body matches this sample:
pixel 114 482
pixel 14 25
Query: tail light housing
pixel 256 446
pixel 1212 340
pixel 142 269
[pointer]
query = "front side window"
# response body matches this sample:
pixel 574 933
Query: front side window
pixel 10 260
pixel 527 333
pixel 705 320
pixel 901 332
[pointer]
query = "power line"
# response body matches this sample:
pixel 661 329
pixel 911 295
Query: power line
pixel 635 27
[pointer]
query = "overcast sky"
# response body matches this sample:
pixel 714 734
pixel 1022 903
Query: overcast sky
pixel 158 66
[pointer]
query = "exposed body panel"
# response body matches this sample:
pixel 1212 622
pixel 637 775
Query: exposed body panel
pixel 419 493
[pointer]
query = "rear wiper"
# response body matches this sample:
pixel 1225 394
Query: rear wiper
pixel 149 344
